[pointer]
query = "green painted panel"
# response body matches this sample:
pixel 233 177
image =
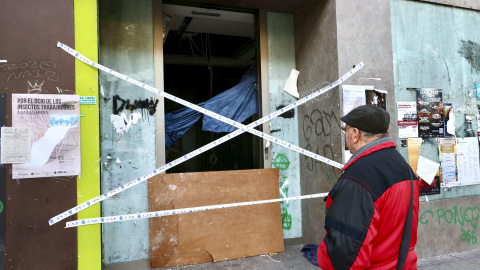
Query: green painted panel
pixel 86 82
pixel 281 60
pixel 436 46
pixel 127 135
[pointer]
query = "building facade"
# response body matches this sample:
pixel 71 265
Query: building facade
pixel 197 50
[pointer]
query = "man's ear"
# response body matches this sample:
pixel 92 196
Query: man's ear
pixel 356 135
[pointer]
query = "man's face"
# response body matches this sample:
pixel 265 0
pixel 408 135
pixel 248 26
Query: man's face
pixel 349 141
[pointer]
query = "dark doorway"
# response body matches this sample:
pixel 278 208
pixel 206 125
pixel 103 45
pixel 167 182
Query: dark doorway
pixel 205 55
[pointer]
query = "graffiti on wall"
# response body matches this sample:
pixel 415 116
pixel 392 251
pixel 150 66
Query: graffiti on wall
pixel 122 121
pixel 319 129
pixel 281 162
pixel 469 50
pixel 120 104
pixel 309 92
pixel 287 114
pixel 34 73
pixel 458 216
pixel 286 217
pixel 39 70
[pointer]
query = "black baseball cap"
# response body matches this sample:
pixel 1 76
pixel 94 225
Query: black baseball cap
pixel 368 118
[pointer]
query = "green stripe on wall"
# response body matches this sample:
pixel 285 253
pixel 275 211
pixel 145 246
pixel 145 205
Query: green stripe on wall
pixel 88 185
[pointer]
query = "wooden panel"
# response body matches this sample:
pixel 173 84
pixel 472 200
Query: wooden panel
pixel 35 65
pixel 214 235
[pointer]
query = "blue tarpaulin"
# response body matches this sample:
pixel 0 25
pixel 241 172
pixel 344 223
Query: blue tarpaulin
pixel 237 103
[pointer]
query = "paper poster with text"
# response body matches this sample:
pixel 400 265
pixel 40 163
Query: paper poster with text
pixel 353 96
pixel 407 120
pixel 55 134
pixel 467 161
pixel 448 162
pixel 429 112
pixel 414 145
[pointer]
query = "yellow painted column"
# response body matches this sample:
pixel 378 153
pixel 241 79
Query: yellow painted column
pixel 88 184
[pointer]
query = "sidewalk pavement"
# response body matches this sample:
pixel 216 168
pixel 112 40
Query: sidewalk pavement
pixel 292 258
pixel 463 260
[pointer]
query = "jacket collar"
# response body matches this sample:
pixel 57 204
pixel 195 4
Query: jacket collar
pixel 369 148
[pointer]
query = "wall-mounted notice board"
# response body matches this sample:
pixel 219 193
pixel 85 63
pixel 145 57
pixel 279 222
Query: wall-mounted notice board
pixel 30 31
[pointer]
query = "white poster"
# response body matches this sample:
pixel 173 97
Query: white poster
pixel 407 120
pixel 353 96
pixel 55 134
pixel 16 145
pixel 467 161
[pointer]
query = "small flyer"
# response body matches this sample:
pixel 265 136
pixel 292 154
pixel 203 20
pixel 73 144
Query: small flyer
pixel 448 162
pixel 15 145
pixel 407 120
pixel 430 112
pixel 55 134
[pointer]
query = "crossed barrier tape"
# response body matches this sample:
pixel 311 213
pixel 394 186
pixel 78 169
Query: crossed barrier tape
pixel 241 129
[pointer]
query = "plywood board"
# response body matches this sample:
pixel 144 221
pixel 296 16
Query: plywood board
pixel 214 235
pixel 30 31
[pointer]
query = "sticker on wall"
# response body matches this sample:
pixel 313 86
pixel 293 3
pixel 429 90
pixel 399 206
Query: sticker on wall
pixel 88 100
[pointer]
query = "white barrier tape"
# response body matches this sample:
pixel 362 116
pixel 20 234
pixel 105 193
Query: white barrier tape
pixel 242 128
pixel 136 216
pixel 220 117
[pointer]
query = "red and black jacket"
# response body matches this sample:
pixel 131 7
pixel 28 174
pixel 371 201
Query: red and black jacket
pixel 366 211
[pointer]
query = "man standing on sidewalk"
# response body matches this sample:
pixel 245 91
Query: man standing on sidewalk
pixel 372 211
